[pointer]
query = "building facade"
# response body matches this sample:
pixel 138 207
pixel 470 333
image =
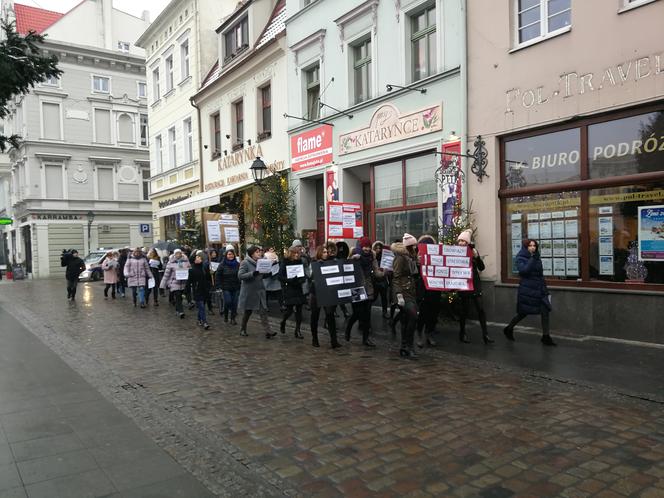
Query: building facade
pixel 374 91
pixel 241 121
pixel 573 122
pixel 180 47
pixel 81 177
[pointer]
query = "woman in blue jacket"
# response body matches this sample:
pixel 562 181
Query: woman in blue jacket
pixel 533 295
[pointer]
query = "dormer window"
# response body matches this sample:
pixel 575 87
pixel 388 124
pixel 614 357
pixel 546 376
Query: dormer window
pixel 236 39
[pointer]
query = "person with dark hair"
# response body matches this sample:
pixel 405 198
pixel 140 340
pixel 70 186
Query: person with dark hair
pixel 252 293
pixel 380 283
pixel 154 262
pixel 199 279
pixel 322 254
pixel 343 252
pixel 533 295
pixel 475 295
pixel 137 271
pixel 122 281
pixel 176 277
pixel 293 288
pixel 227 280
pixel 362 309
pixel 110 269
pixel 405 277
pixel 74 267
pixel 429 306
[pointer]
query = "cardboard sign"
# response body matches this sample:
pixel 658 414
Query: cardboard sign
pixel 338 282
pixel 344 220
pixel 446 268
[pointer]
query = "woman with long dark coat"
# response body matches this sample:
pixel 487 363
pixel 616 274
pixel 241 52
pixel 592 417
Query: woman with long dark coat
pixel 293 291
pixel 322 254
pixel 252 293
pixel 533 295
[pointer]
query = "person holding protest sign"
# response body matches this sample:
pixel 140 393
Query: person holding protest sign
pixel 429 306
pixel 252 293
pixel 381 283
pixel 475 295
pixel 405 276
pixel 322 254
pixel 176 277
pixel 292 277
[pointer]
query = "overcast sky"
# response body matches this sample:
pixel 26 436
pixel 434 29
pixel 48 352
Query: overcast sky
pixel 131 6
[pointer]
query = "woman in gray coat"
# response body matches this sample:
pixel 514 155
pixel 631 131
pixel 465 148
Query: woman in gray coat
pixel 252 293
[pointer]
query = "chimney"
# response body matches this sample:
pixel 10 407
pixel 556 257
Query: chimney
pixel 146 16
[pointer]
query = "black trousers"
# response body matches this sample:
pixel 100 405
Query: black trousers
pixel 329 318
pixel 71 288
pixel 520 316
pixel 381 291
pixel 177 297
pixel 109 286
pixel 479 307
pixel 408 324
pixel 288 311
pixel 362 314
pixel 265 322
pixel 428 316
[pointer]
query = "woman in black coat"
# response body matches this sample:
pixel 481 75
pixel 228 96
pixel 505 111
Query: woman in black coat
pixel 200 281
pixel 293 294
pixel 322 254
pixel 533 295
pixel 226 279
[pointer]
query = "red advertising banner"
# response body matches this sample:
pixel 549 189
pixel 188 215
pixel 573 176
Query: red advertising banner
pixel 344 220
pixel 446 268
pixel 451 185
pixel 311 148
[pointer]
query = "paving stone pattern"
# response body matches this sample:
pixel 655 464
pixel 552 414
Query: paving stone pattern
pixel 254 417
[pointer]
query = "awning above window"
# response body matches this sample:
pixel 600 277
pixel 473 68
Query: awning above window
pixel 198 201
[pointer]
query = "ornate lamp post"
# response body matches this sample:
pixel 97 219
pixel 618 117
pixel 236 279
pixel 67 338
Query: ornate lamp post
pixel 91 217
pixel 259 171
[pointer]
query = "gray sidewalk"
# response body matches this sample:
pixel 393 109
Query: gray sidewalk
pixel 60 438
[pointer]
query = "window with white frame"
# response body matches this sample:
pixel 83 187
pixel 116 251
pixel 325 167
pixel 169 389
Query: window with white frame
pixel 541 18
pixel 105 184
pixel 142 89
pixel 265 95
pixel 51 123
pixel 156 86
pixel 102 126
pixel 172 148
pixel 53 181
pixel 143 128
pixel 145 177
pixel 215 122
pixel 101 84
pixel 236 39
pixel 125 128
pixel 169 73
pixel 184 60
pixel 53 81
pixel 188 140
pixel 238 112
pixel 123 46
pixel 423 42
pixel 312 86
pixel 361 54
pixel 159 153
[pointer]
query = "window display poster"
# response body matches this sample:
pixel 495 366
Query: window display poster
pixel 558 214
pixel 439 259
pixel 337 281
pixel 606 246
pixel 558 229
pixel 559 247
pixel 516 217
pixel 546 248
pixel 572 265
pixel 605 226
pixel 571 229
pixel 570 213
pixel 533 216
pixel 559 267
pixel 651 233
pixel 605 210
pixel 344 220
pixel 606 265
pixel 533 231
pixel 547 266
pixel 572 248
pixel 516 231
pixel 545 216
pixel 545 229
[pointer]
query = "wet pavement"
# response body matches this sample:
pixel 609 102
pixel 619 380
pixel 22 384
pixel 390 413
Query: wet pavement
pixel 251 417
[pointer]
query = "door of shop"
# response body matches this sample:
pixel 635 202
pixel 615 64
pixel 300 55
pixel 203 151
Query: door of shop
pixel 27 248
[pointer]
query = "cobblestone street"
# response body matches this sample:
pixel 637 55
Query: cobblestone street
pixel 253 417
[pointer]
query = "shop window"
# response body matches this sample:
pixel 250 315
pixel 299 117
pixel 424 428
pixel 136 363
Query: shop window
pixel 361 53
pixel 312 85
pixel 541 18
pixel 599 218
pixel 423 43
pixel 626 146
pixel 420 188
pixel 392 225
pixel 388 185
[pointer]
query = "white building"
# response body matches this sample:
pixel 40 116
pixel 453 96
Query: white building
pixel 180 46
pixel 81 176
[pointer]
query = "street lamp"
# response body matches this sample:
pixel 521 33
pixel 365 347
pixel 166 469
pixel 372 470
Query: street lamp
pixel 91 217
pixel 258 170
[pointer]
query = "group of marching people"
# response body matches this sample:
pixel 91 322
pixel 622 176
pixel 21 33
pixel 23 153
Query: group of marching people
pixel 201 277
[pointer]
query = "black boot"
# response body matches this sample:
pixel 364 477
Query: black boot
pixel 547 341
pixel 463 337
pixel 366 340
pixel 487 339
pixel 349 326
pixel 298 334
pixel 314 339
pixel 509 333
pixel 282 326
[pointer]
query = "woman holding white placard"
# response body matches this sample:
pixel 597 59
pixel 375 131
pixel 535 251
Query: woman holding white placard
pixel 292 277
pixel 405 277
pixel 322 254
pixel 252 293
pixel 176 277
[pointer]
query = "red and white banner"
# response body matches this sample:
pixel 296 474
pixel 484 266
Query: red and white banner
pixel 344 220
pixel 451 185
pixel 311 148
pixel 446 268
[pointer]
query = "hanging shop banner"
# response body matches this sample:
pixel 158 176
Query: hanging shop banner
pixel 651 233
pixel 331 185
pixel 451 181
pixel 338 282
pixel 311 148
pixel 446 268
pixel 344 220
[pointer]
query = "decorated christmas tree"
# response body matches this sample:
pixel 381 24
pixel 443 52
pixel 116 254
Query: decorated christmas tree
pixel 275 214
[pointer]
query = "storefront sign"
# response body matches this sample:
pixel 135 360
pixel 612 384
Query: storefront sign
pixel 574 83
pixel 344 220
pixel 235 167
pixel 387 126
pixel 446 268
pixel 651 233
pixel 311 148
pixel 51 216
pixel 173 200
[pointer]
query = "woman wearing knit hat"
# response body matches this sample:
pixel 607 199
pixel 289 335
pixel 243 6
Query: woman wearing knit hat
pixel 362 309
pixel 464 239
pixel 405 276
pixel 429 305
